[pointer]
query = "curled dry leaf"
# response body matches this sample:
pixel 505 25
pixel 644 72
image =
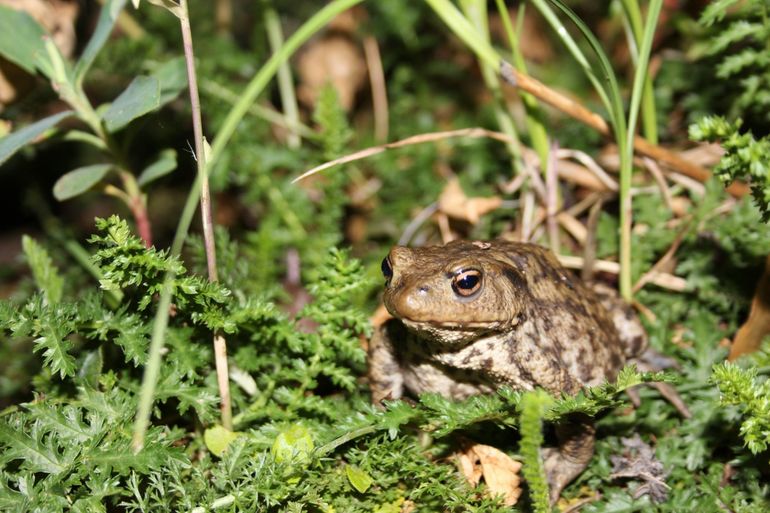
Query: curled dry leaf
pixel 500 471
pixel 455 204
pixel 757 326
pixel 336 58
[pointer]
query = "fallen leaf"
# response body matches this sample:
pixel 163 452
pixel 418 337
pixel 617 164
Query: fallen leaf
pixel 500 471
pixel 218 439
pixel 454 203
pixel 335 57
pixel 358 478
pixel 639 462
pixel 757 326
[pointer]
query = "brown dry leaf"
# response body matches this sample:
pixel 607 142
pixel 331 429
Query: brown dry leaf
pixel 500 471
pixel 454 203
pixel 336 58
pixel 380 316
pixel 757 326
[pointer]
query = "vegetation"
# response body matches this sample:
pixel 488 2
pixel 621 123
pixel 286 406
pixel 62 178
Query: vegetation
pixel 147 369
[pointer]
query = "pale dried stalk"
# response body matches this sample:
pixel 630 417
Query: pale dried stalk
pixel 665 259
pixel 595 121
pixel 552 200
pixel 472 133
pixel 651 166
pixel 220 346
pixel 590 164
pixel 663 280
pixel 379 91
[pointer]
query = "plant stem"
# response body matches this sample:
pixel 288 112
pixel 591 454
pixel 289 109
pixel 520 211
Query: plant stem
pixel 537 131
pixel 285 83
pixel 649 114
pixel 256 86
pixel 220 345
pixel 627 155
pixel 476 13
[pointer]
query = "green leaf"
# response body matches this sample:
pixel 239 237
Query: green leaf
pixel 21 38
pixel 161 167
pixel 172 76
pixel 34 453
pixel 218 439
pixel 45 273
pixel 78 181
pixel 140 97
pixel 13 142
pixel 360 480
pixel 293 444
pixel 107 19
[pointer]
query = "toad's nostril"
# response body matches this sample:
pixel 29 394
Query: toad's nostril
pixel 423 289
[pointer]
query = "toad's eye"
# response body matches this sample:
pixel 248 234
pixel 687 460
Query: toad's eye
pixel 387 270
pixel 467 282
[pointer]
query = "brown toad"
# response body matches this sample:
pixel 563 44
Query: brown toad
pixel 473 316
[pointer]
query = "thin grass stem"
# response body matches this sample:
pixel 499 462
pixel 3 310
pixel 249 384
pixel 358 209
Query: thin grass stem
pixel 285 81
pixel 255 87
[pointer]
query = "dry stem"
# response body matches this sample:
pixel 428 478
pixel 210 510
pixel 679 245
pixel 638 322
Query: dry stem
pixel 595 121
pixel 220 347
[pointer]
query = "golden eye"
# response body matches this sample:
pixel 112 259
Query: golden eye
pixel 467 282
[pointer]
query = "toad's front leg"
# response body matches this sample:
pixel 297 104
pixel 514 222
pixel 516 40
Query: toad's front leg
pixel 576 447
pixel 386 379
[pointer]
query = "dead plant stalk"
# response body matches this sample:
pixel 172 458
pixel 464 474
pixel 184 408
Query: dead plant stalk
pixel 220 345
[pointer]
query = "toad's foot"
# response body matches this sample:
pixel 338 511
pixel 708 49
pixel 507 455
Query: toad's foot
pixel 576 447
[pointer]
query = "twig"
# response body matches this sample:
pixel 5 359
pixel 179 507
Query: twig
pixel 591 165
pixel 527 216
pixel 379 92
pixel 415 223
pixel 695 187
pixel 589 248
pixel 552 199
pixel 595 121
pixel 657 175
pixel 220 346
pixel 663 280
pixel 667 256
pixel 573 226
pixel 473 133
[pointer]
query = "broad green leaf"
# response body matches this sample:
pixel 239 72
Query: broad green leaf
pixel 360 480
pixel 172 76
pixel 140 97
pixel 14 141
pixel 163 166
pixel 45 273
pixel 21 38
pixel 293 444
pixel 218 438
pixel 107 19
pixel 78 181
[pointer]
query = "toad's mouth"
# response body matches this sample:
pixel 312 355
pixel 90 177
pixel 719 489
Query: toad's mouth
pixel 429 324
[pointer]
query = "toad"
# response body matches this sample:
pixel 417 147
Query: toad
pixel 470 317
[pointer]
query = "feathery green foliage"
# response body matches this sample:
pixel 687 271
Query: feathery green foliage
pixel 740 45
pixel 533 406
pixel 742 388
pixel 745 158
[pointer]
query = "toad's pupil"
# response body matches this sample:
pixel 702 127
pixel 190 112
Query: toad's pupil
pixel 468 281
pixel 387 270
